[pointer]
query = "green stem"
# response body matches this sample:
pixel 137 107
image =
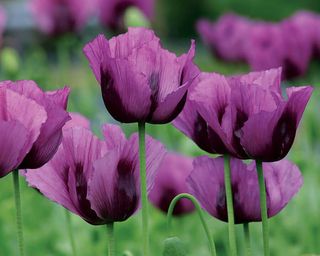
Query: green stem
pixel 228 190
pixel 15 175
pixel 143 187
pixel 70 232
pixel 263 206
pixel 111 244
pixel 247 242
pixel 199 210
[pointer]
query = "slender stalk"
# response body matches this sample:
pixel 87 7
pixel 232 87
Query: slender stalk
pixel 264 211
pixel 111 244
pixel 199 210
pixel 15 175
pixel 143 187
pixel 70 233
pixel 247 241
pixel 229 197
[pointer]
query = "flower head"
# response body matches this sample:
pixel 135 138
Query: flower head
pixel 97 179
pixel 245 116
pixel 31 124
pixel 111 12
pixel 60 16
pixel 226 37
pixel 283 180
pixel 170 182
pixel 141 81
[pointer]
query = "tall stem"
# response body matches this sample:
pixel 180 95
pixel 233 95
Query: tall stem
pixel 111 244
pixel 247 241
pixel 15 175
pixel 228 190
pixel 70 233
pixel 199 210
pixel 264 210
pixel 143 187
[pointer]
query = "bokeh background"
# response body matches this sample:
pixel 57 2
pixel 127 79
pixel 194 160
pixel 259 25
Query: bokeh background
pixel 53 62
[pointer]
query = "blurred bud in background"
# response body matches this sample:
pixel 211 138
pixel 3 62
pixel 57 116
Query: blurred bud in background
pixel 10 63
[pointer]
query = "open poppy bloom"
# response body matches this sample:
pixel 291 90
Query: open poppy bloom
pixel 140 81
pixel 230 113
pixel 111 12
pixel 170 182
pixel 31 124
pixel 56 17
pixel 283 180
pixel 97 179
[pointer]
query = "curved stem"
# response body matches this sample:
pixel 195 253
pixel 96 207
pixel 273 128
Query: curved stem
pixel 246 232
pixel 111 244
pixel 264 210
pixel 15 175
pixel 199 210
pixel 143 187
pixel 229 198
pixel 70 232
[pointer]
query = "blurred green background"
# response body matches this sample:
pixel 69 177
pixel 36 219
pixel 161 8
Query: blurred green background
pixel 57 62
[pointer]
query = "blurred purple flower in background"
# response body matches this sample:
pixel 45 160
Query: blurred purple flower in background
pixel 3 18
pixel 228 112
pixel 263 45
pixel 170 182
pixel 283 180
pixel 97 179
pixel 111 12
pixel 56 17
pixel 31 124
pixel 141 81
pixel 227 36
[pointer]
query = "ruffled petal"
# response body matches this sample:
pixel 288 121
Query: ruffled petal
pixel 114 136
pixel 13 137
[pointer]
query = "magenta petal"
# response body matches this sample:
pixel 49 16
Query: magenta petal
pixel 13 136
pixel 95 52
pixel 171 181
pixel 30 114
pixel 284 180
pixel 114 136
pixel 51 181
pixel 77 120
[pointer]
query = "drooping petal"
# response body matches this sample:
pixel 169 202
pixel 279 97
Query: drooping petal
pixel 283 181
pixel 171 181
pixel 13 137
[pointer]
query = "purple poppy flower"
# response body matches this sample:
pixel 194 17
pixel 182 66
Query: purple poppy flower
pixel 140 81
pixel 97 179
pixel 283 180
pixel 111 12
pixel 231 111
pixel 308 24
pixel 227 36
pixel 3 19
pixel 170 182
pixel 298 48
pixel 60 16
pixel 32 122
pixel 265 46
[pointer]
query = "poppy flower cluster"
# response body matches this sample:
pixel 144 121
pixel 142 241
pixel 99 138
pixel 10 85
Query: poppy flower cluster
pixel 56 17
pixel 107 180
pixel 290 43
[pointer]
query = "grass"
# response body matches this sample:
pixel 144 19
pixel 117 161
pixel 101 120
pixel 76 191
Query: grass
pixel 295 231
